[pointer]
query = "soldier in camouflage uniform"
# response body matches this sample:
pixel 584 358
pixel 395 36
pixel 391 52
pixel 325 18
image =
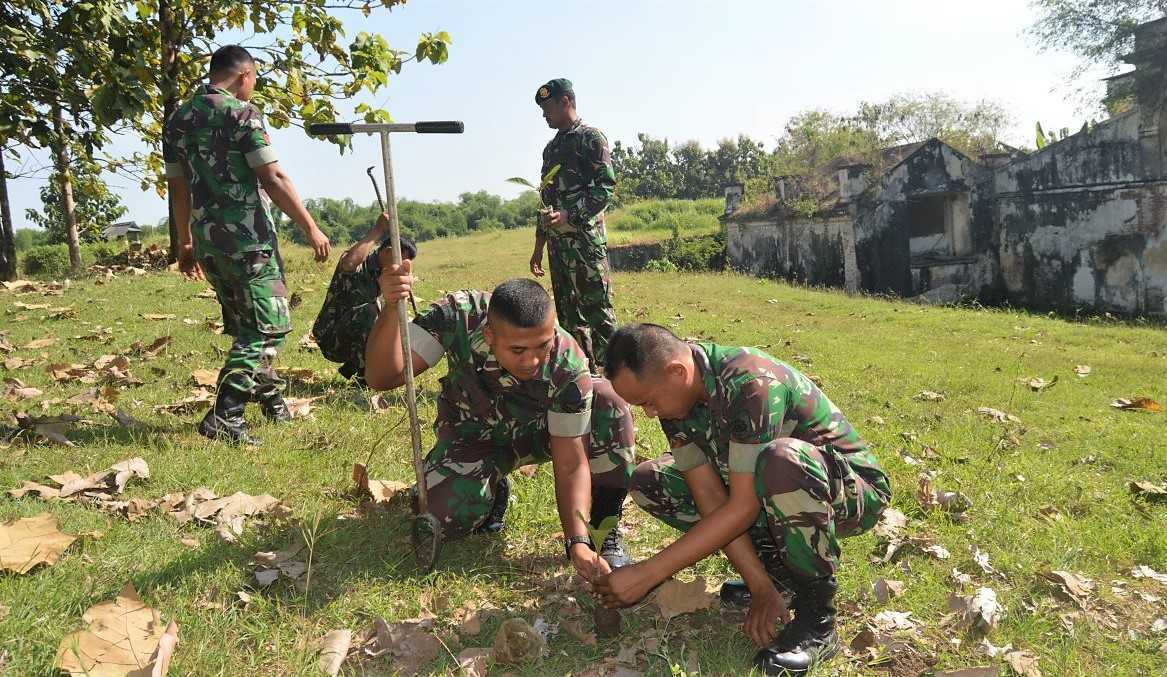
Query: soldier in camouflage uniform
pixel 517 391
pixel 573 228
pixel 217 157
pixel 799 478
pixel 353 302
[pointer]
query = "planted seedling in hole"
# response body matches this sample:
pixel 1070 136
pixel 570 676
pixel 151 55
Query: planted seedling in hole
pixel 607 620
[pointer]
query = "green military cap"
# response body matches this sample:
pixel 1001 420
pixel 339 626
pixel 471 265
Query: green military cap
pixel 553 90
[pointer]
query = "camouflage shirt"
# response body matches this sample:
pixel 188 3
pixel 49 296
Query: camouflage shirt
pixel 216 141
pixel 585 183
pixel 560 397
pixel 753 400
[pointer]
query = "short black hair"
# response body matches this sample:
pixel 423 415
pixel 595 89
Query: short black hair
pixel 640 348
pixel 230 58
pixel 570 94
pixel 520 302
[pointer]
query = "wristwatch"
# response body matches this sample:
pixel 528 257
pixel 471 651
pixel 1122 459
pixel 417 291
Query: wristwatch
pixel 572 540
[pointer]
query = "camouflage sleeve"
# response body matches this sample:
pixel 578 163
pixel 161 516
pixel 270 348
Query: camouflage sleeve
pixel 758 406
pixel 431 330
pixel 173 151
pixel 570 414
pixel 251 138
pixel 686 454
pixel 601 183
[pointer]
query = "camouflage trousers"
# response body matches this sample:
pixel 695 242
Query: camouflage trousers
pixel 251 291
pixel 811 497
pixel 470 456
pixel 582 284
pixel 347 317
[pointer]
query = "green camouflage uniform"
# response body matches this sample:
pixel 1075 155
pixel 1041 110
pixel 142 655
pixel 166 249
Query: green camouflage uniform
pixel 350 310
pixel 578 252
pixel 816 479
pixel 490 423
pixel 216 141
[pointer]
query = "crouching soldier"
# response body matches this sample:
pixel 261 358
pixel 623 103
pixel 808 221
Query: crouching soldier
pixel 799 478
pixel 517 391
pixel 353 302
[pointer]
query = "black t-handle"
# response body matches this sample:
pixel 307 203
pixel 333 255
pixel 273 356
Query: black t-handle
pixel 440 127
pixel 329 128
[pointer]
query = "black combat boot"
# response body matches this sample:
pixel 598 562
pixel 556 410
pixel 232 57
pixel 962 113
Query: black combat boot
pixel 225 420
pixel 271 401
pixel 734 592
pixel 810 638
pixel 606 503
pixel 496 520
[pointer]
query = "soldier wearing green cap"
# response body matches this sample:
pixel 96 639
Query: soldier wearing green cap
pixel 573 226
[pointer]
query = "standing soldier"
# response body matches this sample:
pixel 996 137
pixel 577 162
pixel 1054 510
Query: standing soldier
pixel 573 229
pixel 218 156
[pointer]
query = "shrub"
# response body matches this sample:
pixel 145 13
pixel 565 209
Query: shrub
pixel 697 253
pixel 47 260
pixel 661 265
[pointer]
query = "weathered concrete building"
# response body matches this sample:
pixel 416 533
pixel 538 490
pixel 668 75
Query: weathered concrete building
pixel 1081 223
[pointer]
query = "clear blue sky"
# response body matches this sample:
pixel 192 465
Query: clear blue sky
pixel 682 69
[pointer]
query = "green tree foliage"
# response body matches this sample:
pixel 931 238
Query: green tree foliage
pixel 95 206
pixel 687 171
pixel 346 221
pixel 1099 32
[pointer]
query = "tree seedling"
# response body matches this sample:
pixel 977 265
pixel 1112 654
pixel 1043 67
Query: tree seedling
pixel 607 621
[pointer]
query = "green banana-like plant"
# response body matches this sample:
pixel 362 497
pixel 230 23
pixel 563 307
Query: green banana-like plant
pixel 520 181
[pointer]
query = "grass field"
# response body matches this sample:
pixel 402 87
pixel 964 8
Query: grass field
pixel 1049 492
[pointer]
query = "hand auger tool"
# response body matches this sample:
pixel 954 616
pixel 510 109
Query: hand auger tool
pixel 427 531
pixel 382 203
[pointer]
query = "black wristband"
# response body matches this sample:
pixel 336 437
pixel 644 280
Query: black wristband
pixel 572 540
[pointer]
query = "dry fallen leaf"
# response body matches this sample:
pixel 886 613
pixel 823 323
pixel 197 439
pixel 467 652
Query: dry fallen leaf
pixel 473 662
pixel 1149 490
pixel 981 611
pixel 1038 384
pixel 997 415
pixel 980 671
pixel 890 524
pixel 471 625
pixel 674 598
pixel 156 316
pixel 301 407
pixel 1082 370
pixel 1076 587
pixel 890 621
pixel 40 343
pixel 1144 571
pixel 1023 663
pixel 1137 404
pixel 207 378
pixel 885 590
pixel 333 649
pixel 517 643
pixel 411 643
pixel 31 541
pixel 381 491
pixel 124 637
pixel 929 396
pixel 529 470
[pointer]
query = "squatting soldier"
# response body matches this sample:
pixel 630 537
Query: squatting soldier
pixel 353 302
pixel 218 156
pixel 799 478
pixel 517 391
pixel 573 229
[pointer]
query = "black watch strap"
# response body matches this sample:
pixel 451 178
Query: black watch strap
pixel 572 540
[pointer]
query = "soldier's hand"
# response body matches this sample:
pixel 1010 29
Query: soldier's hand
pixel 537 263
pixel 766 606
pixel 321 247
pixel 383 223
pixel 396 281
pixel 557 219
pixel 188 265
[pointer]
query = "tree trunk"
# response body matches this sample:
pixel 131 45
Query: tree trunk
pixel 7 233
pixel 61 160
pixel 168 83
